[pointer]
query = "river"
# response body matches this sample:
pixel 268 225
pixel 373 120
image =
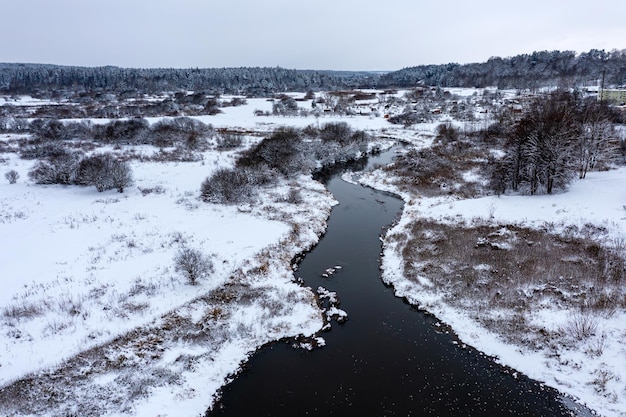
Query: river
pixel 388 358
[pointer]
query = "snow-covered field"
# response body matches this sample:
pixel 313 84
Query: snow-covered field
pixel 80 268
pixel 96 320
pixel 87 275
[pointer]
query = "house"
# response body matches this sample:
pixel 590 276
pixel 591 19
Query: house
pixel 616 96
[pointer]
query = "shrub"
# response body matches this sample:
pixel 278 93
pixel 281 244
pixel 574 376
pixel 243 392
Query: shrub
pixel 129 131
pixel 212 107
pixel 281 152
pixel 180 130
pixel 582 326
pixel 121 175
pixel 286 106
pixel 41 150
pixel 46 129
pixel 447 132
pixel 339 132
pixel 105 172
pixel 406 118
pixel 229 141
pixel 12 176
pixel 193 264
pixel 230 186
pixel 60 169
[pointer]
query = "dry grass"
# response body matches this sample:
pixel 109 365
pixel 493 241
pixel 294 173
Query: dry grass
pixel 438 170
pixel 486 268
pixel 132 363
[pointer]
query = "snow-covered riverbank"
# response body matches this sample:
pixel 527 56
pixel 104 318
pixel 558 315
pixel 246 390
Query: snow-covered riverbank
pixel 82 270
pixel 590 368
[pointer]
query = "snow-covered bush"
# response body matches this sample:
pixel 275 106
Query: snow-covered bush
pixel 193 264
pixel 105 172
pixel 228 141
pixel 228 186
pixel 12 176
pixel 184 131
pixel 286 106
pixel 40 150
pixel 129 131
pixel 60 169
pixel 283 152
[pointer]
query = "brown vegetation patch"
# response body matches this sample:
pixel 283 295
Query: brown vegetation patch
pixel 116 374
pixel 438 170
pixel 487 268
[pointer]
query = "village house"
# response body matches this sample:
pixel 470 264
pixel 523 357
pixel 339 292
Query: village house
pixel 615 96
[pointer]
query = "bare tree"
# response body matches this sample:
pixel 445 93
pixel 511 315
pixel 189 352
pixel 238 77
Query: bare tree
pixel 193 264
pixel 121 175
pixel 596 145
pixel 539 153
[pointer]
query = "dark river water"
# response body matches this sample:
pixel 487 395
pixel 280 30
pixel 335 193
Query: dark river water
pixel 388 358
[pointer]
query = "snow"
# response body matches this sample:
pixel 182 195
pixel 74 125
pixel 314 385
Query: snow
pixel 592 371
pixel 81 269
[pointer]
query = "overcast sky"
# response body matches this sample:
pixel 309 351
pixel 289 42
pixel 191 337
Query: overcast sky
pixel 313 34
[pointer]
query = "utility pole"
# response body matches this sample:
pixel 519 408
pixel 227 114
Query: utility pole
pixel 602 86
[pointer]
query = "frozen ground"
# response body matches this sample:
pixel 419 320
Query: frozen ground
pixel 94 319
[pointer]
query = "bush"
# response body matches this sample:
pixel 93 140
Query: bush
pixel 129 131
pixel 12 176
pixel 212 107
pixel 339 132
pixel 41 150
pixel 406 118
pixel 446 132
pixel 193 264
pixel 230 186
pixel 105 172
pixel 281 152
pixel 287 106
pixel 180 130
pixel 59 169
pixel 229 141
pixel 46 129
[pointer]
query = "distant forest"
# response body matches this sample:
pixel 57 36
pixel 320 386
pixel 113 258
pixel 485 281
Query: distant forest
pixel 527 71
pixel 30 78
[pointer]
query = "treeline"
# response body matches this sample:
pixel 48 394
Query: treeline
pixel 31 78
pixel 526 71
pixel 556 138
